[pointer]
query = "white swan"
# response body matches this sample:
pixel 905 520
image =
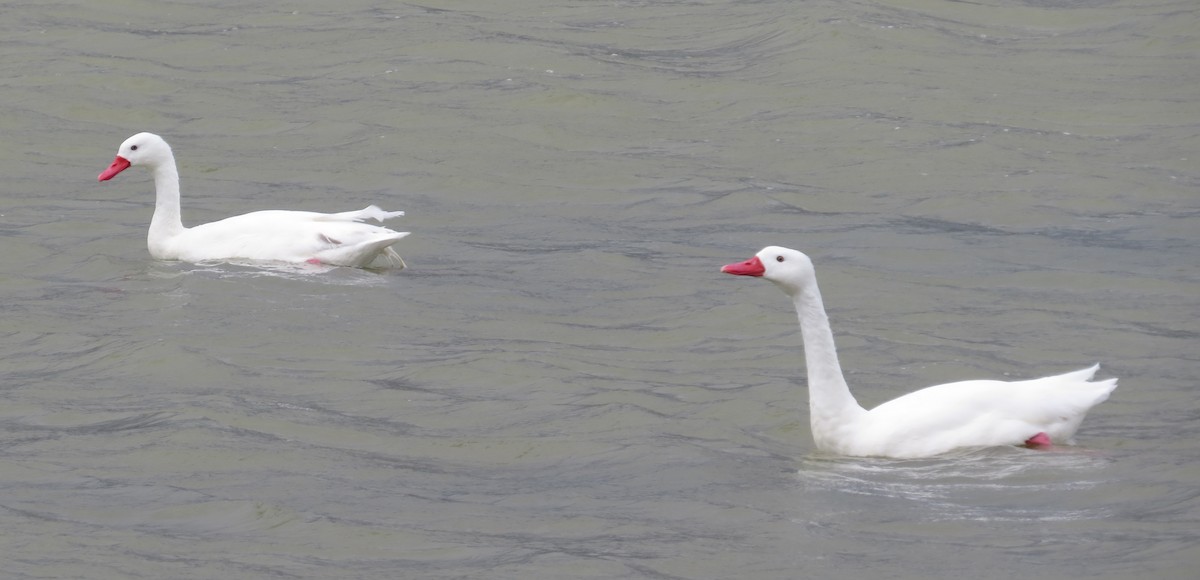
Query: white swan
pixel 930 421
pixel 339 239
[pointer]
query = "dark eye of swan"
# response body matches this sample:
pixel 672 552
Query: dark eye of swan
pixel 778 258
pixel 133 147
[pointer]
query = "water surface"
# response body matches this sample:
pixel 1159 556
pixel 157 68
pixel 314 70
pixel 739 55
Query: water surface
pixel 562 385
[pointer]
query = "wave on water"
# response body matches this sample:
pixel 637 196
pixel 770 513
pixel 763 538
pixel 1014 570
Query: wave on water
pixel 980 484
pixel 326 274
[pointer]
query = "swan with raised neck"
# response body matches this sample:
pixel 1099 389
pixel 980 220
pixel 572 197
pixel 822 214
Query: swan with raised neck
pixel 933 420
pixel 339 239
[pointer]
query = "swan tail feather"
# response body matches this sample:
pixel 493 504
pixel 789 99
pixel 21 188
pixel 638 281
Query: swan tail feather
pixel 371 212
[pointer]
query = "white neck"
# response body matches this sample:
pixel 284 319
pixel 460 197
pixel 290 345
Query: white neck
pixel 830 403
pixel 166 223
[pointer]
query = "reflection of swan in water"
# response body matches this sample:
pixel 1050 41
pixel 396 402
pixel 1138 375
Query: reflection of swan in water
pixel 993 484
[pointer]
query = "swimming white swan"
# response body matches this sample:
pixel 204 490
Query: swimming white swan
pixel 339 239
pixel 930 421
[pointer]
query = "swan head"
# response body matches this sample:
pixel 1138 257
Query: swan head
pixel 141 149
pixel 789 269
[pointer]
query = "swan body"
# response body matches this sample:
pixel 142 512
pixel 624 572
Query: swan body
pixel 934 420
pixel 339 239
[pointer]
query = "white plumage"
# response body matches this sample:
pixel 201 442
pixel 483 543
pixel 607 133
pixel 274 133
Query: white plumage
pixel 340 239
pixel 930 421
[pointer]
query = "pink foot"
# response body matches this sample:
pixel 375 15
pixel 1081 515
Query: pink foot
pixel 1041 440
pixel 313 261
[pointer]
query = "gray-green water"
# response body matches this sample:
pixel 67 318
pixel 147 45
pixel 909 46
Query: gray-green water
pixel 562 385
